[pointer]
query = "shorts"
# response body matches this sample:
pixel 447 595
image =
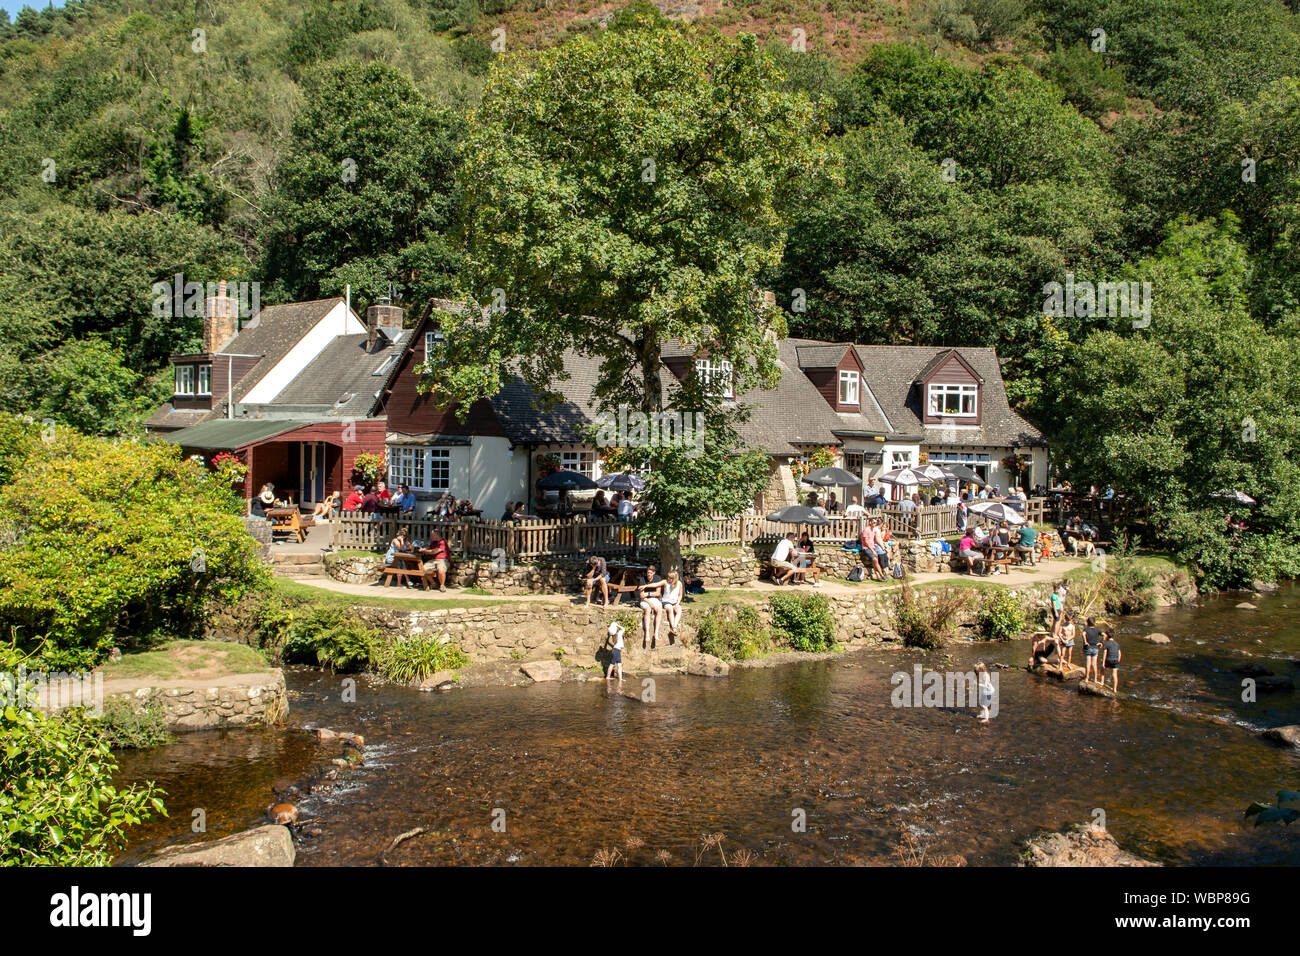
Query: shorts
pixel 616 656
pixel 1090 651
pixel 783 565
pixel 437 564
pixel 1069 644
pixel 1112 667
pixel 651 603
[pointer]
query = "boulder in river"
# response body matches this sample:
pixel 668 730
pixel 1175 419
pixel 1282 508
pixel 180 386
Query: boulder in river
pixel 1155 637
pixel 1096 689
pixel 285 814
pixel 1058 671
pixel 269 845
pixel 437 680
pixel 1247 606
pixel 1078 847
pixel 1288 736
pixel 1253 670
pixel 1273 685
pixel 541 671
pixel 706 665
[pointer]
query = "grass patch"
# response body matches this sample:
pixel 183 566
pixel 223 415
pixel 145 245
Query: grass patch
pixel 181 660
pixel 307 592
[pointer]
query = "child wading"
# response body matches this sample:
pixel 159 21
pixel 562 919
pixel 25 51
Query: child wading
pixel 616 651
pixel 1113 655
pixel 986 691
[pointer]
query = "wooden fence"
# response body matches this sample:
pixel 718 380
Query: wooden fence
pixel 537 537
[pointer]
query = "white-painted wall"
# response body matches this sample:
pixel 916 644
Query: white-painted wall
pixel 338 321
pixel 495 474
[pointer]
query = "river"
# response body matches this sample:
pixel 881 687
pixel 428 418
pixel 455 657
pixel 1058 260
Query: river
pixel 566 770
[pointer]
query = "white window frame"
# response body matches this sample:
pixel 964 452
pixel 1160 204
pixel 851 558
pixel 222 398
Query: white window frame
pixel 850 377
pixel 579 460
pixel 430 340
pixel 419 467
pixel 937 391
pixel 900 458
pixel 205 380
pixel 711 374
pixel 184 379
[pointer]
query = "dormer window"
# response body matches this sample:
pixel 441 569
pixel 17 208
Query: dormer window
pixel 850 383
pixel 185 380
pixel 433 341
pixel 956 401
pixel 205 379
pixel 715 377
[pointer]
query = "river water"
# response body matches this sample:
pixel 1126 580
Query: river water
pixel 807 763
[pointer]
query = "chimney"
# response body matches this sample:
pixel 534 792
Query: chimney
pixel 220 320
pixel 385 318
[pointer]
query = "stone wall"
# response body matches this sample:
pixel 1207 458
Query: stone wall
pixel 188 708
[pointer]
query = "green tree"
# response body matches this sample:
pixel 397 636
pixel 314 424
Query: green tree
pixel 622 192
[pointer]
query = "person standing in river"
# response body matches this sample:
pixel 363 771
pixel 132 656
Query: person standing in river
pixel 1112 655
pixel 985 691
pixel 616 633
pixel 1091 650
pixel 1066 656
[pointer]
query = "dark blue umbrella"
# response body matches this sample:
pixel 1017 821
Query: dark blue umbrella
pixel 797 514
pixel 621 481
pixel 565 480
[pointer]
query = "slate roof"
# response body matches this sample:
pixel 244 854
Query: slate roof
pixel 166 417
pixel 342 380
pixel 272 333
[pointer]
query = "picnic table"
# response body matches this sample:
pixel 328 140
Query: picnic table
pixel 286 521
pixel 619 572
pixel 998 555
pixel 406 566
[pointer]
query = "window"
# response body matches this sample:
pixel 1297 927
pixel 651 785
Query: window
pixel 715 377
pixel 849 388
pixel 899 459
pixel 977 462
pixel 960 401
pixel 582 461
pixel 185 380
pixel 433 341
pixel 853 462
pixel 205 379
pixel 420 469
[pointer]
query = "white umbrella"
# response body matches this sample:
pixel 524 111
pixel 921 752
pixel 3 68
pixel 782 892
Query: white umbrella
pixel 997 511
pixel 1232 494
pixel 907 477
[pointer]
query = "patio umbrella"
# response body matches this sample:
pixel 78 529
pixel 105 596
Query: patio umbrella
pixel 907 477
pixel 621 481
pixel 1232 494
pixel 997 511
pixel 962 473
pixel 940 473
pixel 837 477
pixel 565 480
pixel 796 514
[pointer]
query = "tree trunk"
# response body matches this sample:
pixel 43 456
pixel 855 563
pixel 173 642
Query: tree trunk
pixel 670 555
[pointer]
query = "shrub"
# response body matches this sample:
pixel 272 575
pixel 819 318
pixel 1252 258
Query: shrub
pixel 1001 617
pixel 126 728
pixel 329 637
pixel 411 659
pixel 58 805
pixel 734 633
pixel 124 543
pixel 927 624
pixel 803 621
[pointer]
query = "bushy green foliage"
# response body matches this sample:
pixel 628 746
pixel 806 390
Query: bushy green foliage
pixel 58 805
pixel 331 637
pixel 414 658
pixel 733 633
pixel 1001 616
pixel 803 621
pixel 110 543
pixel 125 727
pixel 926 619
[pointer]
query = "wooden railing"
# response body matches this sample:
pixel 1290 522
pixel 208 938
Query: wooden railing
pixel 537 537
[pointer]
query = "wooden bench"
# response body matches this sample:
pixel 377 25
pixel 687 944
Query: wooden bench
pixel 406 567
pixel 999 557
pixel 287 521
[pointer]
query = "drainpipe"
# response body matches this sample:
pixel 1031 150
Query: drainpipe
pixel 230 386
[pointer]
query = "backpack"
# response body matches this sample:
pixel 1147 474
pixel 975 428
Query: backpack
pixel 854 546
pixel 898 569
pixel 855 574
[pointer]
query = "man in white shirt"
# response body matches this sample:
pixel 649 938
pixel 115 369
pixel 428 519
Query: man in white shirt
pixel 854 509
pixel 626 508
pixel 783 568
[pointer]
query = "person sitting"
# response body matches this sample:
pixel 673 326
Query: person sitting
pixel 1044 648
pixel 444 510
pixel 671 599
pixel 966 549
pixel 854 510
pixel 832 505
pixel 597 574
pixel 437 559
pixel 600 506
pixel 513 511
pixel 626 507
pixel 783 568
pixel 383 494
pixel 805 559
pixel 907 504
pixel 401 543
pixel 406 501
pixel 1026 538
pixel 963 514
pixel 650 591
pixel 325 509
pixel 369 504
pixel 354 500
pixel 465 509
pixel 265 500
pixel 885 538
